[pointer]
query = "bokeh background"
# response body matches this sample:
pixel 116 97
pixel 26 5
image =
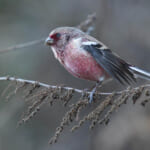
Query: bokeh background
pixel 123 25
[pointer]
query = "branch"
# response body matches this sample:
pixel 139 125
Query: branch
pixel 48 86
pixel 87 25
pixel 19 46
pixel 44 85
pixel 40 93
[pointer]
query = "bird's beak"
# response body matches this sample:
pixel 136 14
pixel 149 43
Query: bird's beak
pixel 49 41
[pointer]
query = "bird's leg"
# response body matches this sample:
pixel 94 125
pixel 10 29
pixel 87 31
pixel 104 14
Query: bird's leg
pixel 94 90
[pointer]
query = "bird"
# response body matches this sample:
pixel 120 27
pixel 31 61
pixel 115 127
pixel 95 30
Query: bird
pixel 87 58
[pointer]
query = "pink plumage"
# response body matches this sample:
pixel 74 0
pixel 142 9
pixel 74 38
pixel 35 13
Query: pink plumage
pixel 87 58
pixel 81 64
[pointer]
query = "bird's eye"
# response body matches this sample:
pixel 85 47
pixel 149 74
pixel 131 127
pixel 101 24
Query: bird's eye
pixel 58 35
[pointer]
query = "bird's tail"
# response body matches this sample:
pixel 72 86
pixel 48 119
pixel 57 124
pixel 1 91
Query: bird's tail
pixel 140 73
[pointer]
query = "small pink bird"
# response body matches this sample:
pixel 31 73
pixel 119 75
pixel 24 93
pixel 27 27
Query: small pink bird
pixel 87 58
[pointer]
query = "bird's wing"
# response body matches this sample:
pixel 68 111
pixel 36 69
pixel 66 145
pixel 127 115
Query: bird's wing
pixel 112 64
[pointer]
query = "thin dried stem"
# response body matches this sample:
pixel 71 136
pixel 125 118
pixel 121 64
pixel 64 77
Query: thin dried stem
pixel 40 84
pixel 23 45
pixel 86 26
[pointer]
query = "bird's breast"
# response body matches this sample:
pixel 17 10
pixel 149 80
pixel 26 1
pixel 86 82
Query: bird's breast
pixel 81 64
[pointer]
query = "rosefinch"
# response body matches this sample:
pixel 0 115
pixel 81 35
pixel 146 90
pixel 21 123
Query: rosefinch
pixel 87 58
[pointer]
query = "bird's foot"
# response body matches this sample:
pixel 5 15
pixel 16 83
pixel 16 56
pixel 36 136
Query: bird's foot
pixel 98 84
pixel 92 94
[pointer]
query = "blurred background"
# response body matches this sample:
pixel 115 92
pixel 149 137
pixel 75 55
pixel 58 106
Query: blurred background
pixel 122 25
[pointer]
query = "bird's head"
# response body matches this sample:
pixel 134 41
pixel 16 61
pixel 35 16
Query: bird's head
pixel 60 37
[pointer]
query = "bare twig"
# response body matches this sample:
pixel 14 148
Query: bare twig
pixel 32 82
pixel 86 26
pixel 19 80
pixel 19 46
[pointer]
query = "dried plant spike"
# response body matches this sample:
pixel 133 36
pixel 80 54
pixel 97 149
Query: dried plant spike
pixel 137 94
pixel 95 114
pixel 6 89
pixel 147 92
pixel 144 102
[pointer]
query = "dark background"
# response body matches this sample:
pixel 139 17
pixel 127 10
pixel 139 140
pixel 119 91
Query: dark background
pixel 122 25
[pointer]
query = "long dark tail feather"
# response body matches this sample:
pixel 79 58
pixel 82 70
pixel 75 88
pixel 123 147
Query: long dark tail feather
pixel 140 73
